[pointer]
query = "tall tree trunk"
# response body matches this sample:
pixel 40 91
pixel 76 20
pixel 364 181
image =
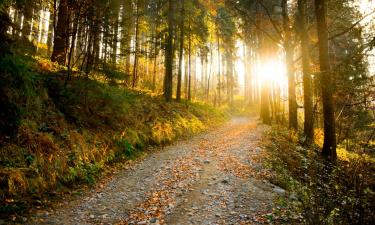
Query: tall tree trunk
pixel 51 27
pixel 329 145
pixel 155 60
pixel 219 70
pixel 189 65
pixel 209 73
pixel 105 37
pixel 230 77
pixel 136 45
pixel 115 36
pixel 27 19
pixel 168 78
pixel 265 103
pixel 247 62
pixel 289 52
pixel 308 127
pixel 72 44
pixel 35 24
pixel 61 34
pixel 181 51
pixel 186 76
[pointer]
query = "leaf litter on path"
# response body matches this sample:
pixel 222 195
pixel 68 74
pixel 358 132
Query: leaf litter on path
pixel 213 178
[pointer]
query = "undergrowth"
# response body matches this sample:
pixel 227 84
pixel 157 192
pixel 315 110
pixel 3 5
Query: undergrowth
pixel 54 135
pixel 320 192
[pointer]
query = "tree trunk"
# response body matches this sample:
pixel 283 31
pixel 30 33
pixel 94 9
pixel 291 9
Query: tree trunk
pixel 115 37
pixel 308 127
pixel 210 71
pixel 181 52
pixel 189 65
pixel 136 45
pixel 265 104
pixel 27 18
pixel 219 70
pixel 61 34
pixel 155 61
pixel 329 145
pixel 168 78
pixel 230 77
pixel 51 28
pixel 72 44
pixel 248 62
pixel 289 52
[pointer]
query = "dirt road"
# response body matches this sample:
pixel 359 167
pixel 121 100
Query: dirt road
pixel 213 178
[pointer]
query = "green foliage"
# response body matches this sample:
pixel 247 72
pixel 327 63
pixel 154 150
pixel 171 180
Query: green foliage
pixel 115 74
pixel 17 87
pixel 322 193
pixel 17 72
pixel 126 149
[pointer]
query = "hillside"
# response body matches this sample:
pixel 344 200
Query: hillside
pixel 54 136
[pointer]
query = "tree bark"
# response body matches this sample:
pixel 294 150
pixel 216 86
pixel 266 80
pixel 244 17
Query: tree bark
pixel 308 127
pixel 219 70
pixel 168 78
pixel 155 60
pixel 289 53
pixel 189 65
pixel 136 45
pixel 115 36
pixel 325 77
pixel 181 51
pixel 27 17
pixel 72 44
pixel 61 34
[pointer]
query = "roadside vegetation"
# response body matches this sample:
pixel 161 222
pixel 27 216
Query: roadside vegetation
pixel 320 192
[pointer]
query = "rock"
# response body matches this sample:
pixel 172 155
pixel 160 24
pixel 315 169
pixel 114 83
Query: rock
pixel 92 216
pixel 153 220
pixel 279 190
pixel 206 161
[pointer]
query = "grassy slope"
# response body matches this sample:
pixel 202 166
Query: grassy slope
pixel 65 135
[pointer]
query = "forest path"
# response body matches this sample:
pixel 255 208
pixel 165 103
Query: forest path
pixel 213 178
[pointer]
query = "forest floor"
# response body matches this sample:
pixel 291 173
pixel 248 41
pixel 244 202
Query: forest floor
pixel 213 178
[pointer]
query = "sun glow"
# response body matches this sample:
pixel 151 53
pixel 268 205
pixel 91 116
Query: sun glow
pixel 272 71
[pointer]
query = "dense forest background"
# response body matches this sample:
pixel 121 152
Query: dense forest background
pixel 149 71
